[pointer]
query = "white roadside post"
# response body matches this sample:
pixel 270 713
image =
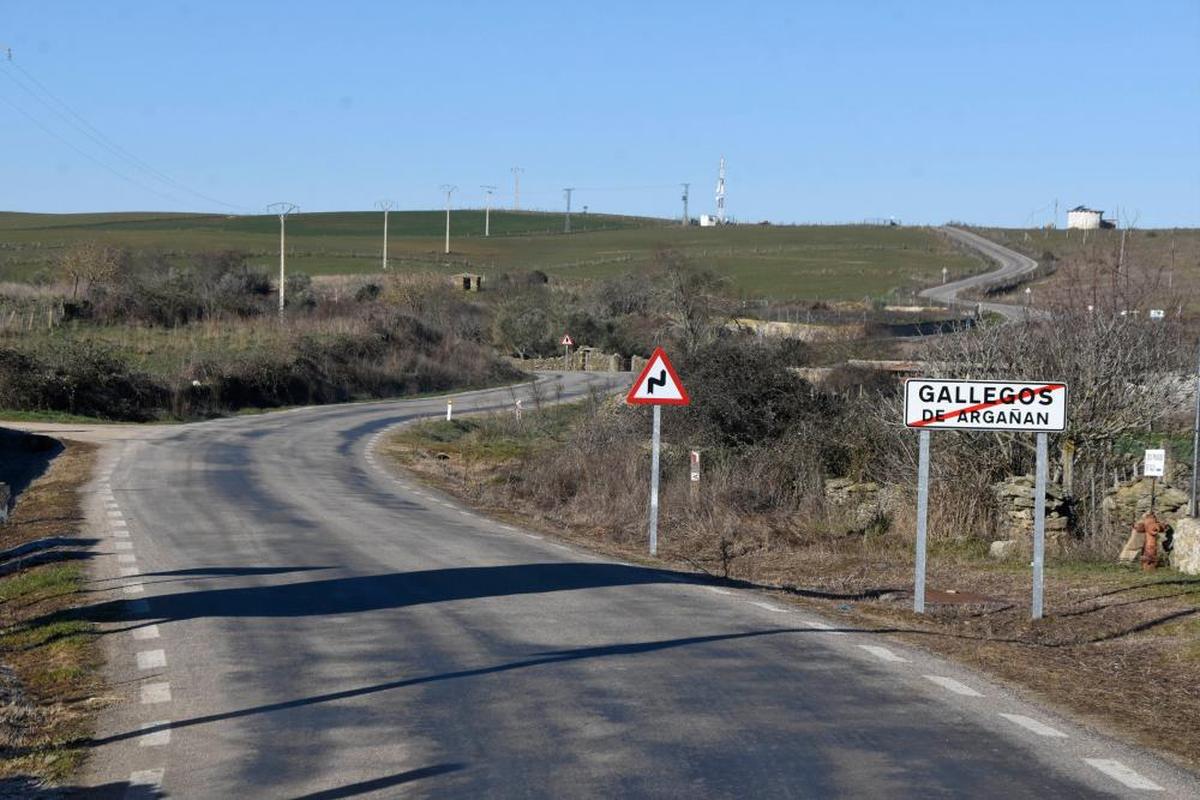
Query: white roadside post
pixel 1038 407
pixel 658 385
pixel 449 410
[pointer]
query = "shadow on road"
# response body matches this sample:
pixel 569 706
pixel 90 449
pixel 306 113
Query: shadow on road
pixel 535 660
pixel 375 784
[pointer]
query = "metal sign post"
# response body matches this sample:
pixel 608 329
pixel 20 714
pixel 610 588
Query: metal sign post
pixel 1196 444
pixel 1031 407
pixel 658 385
pixel 654 441
pixel 1039 527
pixel 566 342
pixel 922 519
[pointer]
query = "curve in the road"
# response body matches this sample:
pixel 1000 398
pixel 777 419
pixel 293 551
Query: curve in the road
pixel 1011 265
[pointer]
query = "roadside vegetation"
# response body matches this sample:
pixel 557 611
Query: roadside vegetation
pixel 50 681
pixel 808 487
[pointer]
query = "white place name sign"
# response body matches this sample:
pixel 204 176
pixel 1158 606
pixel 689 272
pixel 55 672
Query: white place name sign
pixel 1034 406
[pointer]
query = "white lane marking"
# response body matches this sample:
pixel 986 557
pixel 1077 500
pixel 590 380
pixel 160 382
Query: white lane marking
pixel 129 572
pixel 718 590
pixel 533 536
pixel 1031 724
pixel 1119 772
pixel 156 738
pixel 952 685
pixel 114 515
pixel 146 632
pixel 126 558
pixel 123 545
pixel 144 783
pixel 508 527
pixel 122 534
pixel 883 654
pixel 155 693
pixel 133 588
pixel 151 659
pixel 769 607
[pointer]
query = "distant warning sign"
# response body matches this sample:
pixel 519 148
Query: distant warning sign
pixel 658 384
pixel 985 405
pixel 567 341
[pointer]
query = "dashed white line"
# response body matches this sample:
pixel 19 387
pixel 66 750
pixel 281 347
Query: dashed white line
pixel 133 588
pixel 126 558
pixel 159 733
pixel 769 607
pixel 151 659
pixel 153 693
pixel 123 545
pixel 952 685
pixel 883 654
pixel 146 632
pixel 1037 726
pixel 718 590
pixel 114 515
pixel 533 536
pixel 1119 772
pixel 121 534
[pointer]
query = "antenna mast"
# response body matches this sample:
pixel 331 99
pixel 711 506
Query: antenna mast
pixel 721 193
pixel 516 171
pixel 685 199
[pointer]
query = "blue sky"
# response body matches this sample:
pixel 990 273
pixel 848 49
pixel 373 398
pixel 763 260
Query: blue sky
pixel 825 111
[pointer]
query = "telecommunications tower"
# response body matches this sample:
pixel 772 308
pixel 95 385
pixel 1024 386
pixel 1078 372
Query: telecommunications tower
pixel 721 193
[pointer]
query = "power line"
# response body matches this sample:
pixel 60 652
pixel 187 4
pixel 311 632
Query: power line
pixel 50 131
pixel 75 120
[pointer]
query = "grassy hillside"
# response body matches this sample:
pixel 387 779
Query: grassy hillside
pixel 803 262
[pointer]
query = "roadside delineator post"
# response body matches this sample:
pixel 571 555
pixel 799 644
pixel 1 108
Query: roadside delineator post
pixel 1032 407
pixel 658 385
pixel 449 410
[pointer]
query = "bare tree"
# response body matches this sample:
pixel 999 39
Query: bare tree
pixel 92 263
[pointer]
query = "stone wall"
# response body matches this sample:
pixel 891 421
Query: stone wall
pixel 1015 502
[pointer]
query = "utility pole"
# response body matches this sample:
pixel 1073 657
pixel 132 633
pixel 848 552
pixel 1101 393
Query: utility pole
pixel 685 199
pixel 487 209
pixel 567 220
pixel 282 210
pixel 385 206
pixel 516 171
pixel 449 190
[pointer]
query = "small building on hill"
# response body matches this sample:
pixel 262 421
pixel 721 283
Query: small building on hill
pixel 1084 218
pixel 467 281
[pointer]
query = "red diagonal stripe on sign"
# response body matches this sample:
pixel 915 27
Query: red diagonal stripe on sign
pixel 980 406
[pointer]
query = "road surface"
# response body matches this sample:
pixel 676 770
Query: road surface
pixel 1011 264
pixel 285 618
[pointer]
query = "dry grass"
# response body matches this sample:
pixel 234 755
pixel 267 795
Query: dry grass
pixel 50 684
pixel 1118 647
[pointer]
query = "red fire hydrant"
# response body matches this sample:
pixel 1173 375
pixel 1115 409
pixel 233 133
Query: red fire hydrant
pixel 1152 528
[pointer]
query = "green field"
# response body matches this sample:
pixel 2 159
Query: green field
pixel 791 262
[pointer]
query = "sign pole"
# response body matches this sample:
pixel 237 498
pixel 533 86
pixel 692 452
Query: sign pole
pixel 1039 525
pixel 654 480
pixel 922 519
pixel 1196 443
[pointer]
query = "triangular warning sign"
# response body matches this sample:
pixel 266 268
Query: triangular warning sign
pixel 658 384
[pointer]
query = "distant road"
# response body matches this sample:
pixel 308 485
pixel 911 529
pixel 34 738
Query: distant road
pixel 1012 265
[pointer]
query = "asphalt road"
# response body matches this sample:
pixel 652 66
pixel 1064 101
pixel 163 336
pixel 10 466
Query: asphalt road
pixel 1010 264
pixel 284 618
